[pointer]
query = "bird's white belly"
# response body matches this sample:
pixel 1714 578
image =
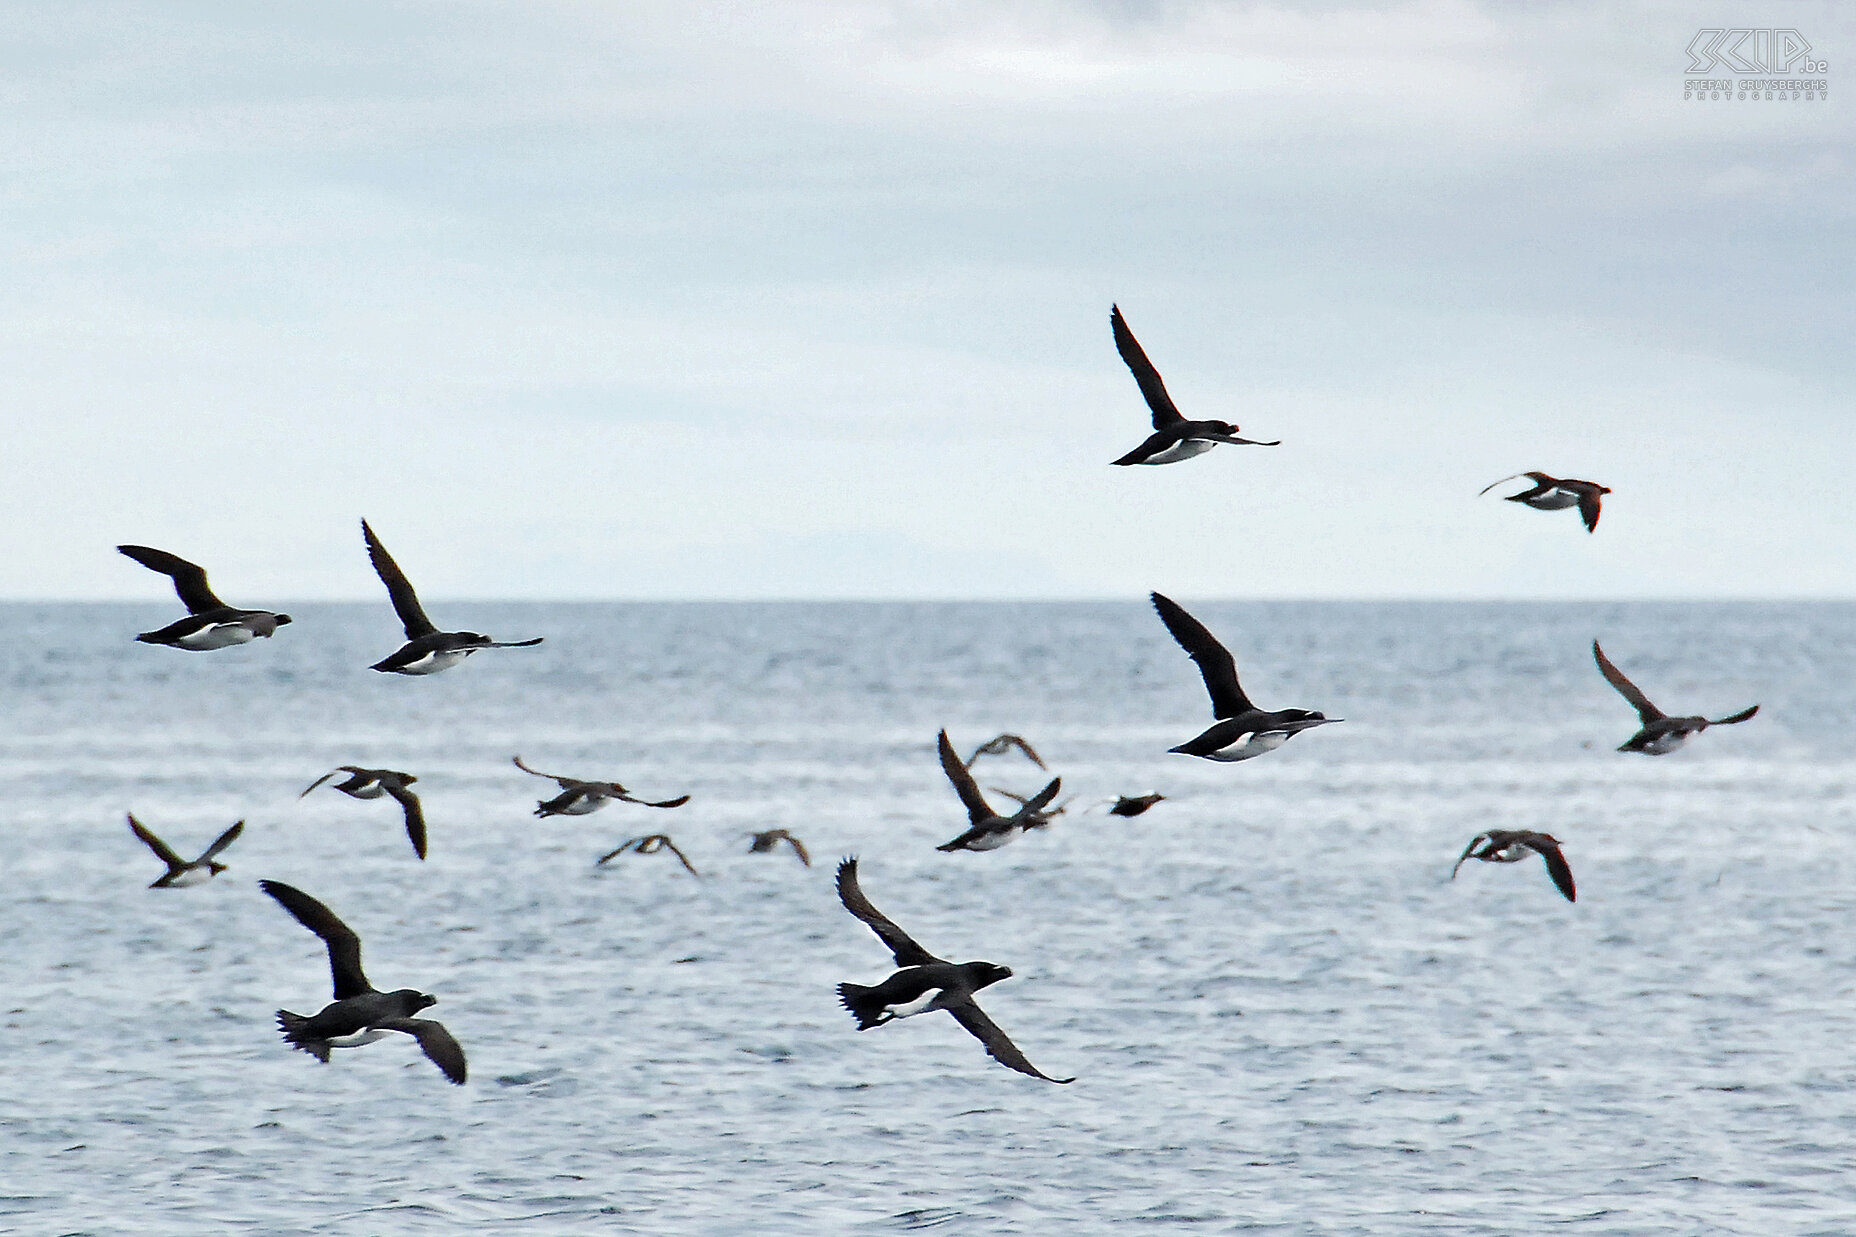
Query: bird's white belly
pixel 1555 501
pixel 217 636
pixel 920 1005
pixel 1253 744
pixel 432 663
pixel 583 805
pixel 358 1038
pixel 367 790
pixel 190 878
pixel 1180 451
pixel 1662 744
pixel 992 841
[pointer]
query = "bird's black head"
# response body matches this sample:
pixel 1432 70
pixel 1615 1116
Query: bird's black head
pixel 411 1000
pixel 984 974
pixel 281 619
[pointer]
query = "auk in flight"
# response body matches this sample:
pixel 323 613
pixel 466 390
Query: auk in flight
pixel 210 622
pixel 1174 438
pixel 427 650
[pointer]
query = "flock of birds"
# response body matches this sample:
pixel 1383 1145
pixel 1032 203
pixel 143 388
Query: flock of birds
pixel 361 1014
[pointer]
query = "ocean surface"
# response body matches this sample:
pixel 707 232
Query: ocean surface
pixel 1284 1017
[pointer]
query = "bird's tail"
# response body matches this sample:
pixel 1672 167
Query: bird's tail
pixel 292 1026
pixel 865 1005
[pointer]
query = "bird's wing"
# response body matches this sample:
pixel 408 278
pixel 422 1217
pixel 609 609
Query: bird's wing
pixel 998 1045
pixel 566 783
pixel 1542 482
pixel 1588 509
pixel 221 842
pixel 679 801
pixel 964 785
pixel 439 1047
pixel 1216 665
pixel 1646 711
pixel 624 846
pixel 399 588
pixel 799 849
pixel 1152 389
pixel 344 945
pixel 900 943
pixel 1557 867
pixel 1038 801
pixel 1741 716
pixel 1474 842
pixel 325 777
pixel 513 644
pixel 415 815
pixel 189 578
pixel 685 859
pixel 162 851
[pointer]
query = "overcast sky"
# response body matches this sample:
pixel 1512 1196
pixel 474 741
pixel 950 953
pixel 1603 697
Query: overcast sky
pixel 652 300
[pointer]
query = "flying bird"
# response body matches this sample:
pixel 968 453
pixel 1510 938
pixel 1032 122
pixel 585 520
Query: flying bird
pixel 764 843
pixel 925 983
pixel 1003 744
pixel 1514 845
pixel 1038 819
pixel 1553 494
pixel 372 784
pixel 1660 733
pixel 210 622
pixel 1174 438
pixel 1134 805
pixel 360 1013
pixel 650 844
pixel 577 798
pixel 1243 730
pixel 989 830
pixel 181 873
pixel 427 650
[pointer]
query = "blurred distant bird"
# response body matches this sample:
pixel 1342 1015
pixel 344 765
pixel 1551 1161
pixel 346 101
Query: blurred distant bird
pixel 181 873
pixel 1660 733
pixel 1174 438
pixel 577 798
pixel 1553 494
pixel 373 783
pixel 360 1013
pixel 1127 805
pixel 989 830
pixel 1036 819
pixel 1243 730
pixel 650 844
pixel 427 650
pixel 766 841
pixel 1514 845
pixel 925 983
pixel 1003 744
pixel 210 622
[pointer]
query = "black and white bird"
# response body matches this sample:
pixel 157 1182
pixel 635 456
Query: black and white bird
pixel 1554 494
pixel 577 798
pixel 427 650
pixel 1174 438
pixel 210 623
pixel 181 874
pixel 1514 845
pixel 988 830
pixel 925 983
pixel 372 784
pixel 1659 733
pixel 360 1013
pixel 1243 730
pixel 650 844
pixel 765 841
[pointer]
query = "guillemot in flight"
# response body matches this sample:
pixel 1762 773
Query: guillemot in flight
pixel 989 830
pixel 1134 805
pixel 210 622
pixel 373 783
pixel 360 1013
pixel 1514 845
pixel 1660 733
pixel 1243 730
pixel 577 798
pixel 765 841
pixel 427 650
pixel 650 844
pixel 1174 438
pixel 1003 744
pixel 1554 494
pixel 181 873
pixel 925 983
